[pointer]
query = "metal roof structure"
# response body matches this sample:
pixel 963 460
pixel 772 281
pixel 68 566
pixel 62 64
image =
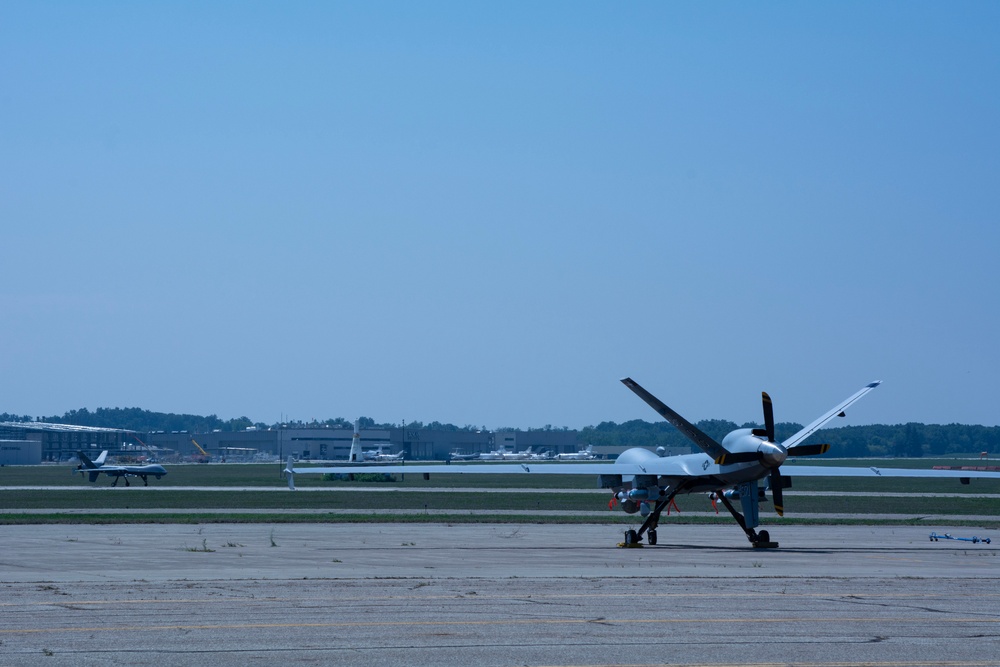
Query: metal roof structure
pixel 61 428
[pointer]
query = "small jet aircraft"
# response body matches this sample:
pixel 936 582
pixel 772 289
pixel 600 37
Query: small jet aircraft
pixel 378 455
pixel 741 467
pixel 504 454
pixel 496 455
pixel 583 455
pixel 529 454
pixel 96 467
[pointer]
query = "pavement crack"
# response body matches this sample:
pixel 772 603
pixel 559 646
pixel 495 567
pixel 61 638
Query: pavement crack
pixel 601 621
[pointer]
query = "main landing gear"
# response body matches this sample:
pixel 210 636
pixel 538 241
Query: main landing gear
pixel 144 478
pixel 761 540
pixel 749 495
pixel 633 538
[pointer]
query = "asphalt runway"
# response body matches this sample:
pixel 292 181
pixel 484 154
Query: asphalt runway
pixel 492 595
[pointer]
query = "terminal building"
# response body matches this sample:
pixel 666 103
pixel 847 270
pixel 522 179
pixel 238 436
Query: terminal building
pixel 332 444
pixel 30 443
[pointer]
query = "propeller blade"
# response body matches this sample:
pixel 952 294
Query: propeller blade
pixel 776 495
pixel 808 450
pixel 737 457
pixel 768 416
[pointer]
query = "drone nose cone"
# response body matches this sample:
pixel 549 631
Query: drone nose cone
pixel 772 454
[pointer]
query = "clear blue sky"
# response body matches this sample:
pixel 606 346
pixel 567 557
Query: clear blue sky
pixel 488 213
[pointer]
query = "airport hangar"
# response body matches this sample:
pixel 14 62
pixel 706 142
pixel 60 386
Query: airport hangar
pixel 335 443
pixel 30 443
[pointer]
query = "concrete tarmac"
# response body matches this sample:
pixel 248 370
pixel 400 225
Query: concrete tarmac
pixel 492 595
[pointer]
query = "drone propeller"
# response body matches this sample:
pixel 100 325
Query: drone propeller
pixel 751 457
pixel 773 455
pixel 768 416
pixel 775 477
pixel 737 457
pixel 767 432
pixel 776 486
pixel 808 450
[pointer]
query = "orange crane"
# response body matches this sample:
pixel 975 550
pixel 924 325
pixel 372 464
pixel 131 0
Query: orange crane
pixel 149 451
pixel 205 457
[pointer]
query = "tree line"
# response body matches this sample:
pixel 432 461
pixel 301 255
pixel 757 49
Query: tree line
pixel 146 421
pixel 902 440
pixel 136 419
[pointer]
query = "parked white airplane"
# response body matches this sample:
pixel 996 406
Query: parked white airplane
pixel 97 466
pixel 377 455
pixel 511 455
pixel 643 482
pixel 504 454
pixel 492 455
pixel 583 455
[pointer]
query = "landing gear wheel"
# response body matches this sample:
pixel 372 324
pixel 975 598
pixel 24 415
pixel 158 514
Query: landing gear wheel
pixel 763 541
pixel 651 537
pixel 631 537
